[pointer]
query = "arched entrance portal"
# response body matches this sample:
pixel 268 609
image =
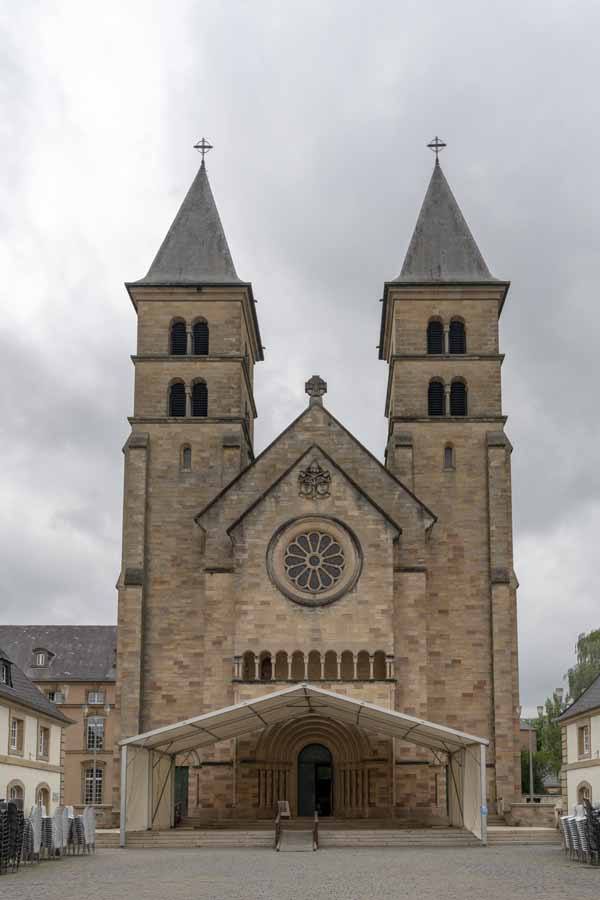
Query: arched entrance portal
pixel 315 781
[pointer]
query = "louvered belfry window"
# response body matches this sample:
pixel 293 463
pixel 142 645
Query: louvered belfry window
pixel 178 339
pixel 458 399
pixel 435 337
pixel 457 337
pixel 436 399
pixel 200 334
pixel 177 399
pixel 199 399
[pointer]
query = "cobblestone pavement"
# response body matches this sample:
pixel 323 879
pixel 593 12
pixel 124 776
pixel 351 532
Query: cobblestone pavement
pixel 539 873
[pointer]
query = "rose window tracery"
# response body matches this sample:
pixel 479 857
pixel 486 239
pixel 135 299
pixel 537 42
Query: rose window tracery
pixel 314 561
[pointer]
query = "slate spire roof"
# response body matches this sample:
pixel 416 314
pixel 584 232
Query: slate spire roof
pixel 442 248
pixel 195 250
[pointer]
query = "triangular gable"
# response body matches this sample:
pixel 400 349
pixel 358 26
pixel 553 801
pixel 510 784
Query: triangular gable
pixel 308 453
pixel 315 426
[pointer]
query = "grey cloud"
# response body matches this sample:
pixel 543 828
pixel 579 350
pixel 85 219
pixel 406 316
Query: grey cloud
pixel 319 114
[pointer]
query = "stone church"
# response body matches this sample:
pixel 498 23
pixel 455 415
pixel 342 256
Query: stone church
pixel 314 561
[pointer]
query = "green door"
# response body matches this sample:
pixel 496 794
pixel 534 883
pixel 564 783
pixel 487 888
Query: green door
pixel 181 792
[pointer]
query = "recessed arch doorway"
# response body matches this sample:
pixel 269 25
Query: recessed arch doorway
pixel 315 780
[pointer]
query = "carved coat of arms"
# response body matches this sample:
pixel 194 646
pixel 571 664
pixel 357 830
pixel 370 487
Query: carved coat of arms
pixel 314 482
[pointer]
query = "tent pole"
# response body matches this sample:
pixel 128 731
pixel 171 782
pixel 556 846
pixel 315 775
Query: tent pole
pixel 483 810
pixel 123 816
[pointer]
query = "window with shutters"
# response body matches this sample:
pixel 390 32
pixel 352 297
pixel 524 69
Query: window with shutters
pixel 199 399
pixel 200 337
pixel 457 337
pixel 458 398
pixel 178 340
pixel 177 399
pixel 436 399
pixel 435 337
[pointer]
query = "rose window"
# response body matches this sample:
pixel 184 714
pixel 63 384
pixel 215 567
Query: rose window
pixel 314 561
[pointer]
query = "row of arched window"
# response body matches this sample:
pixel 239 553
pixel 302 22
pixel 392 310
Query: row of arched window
pixel 314 666
pixel 442 401
pixel 452 341
pixel 192 341
pixel 188 401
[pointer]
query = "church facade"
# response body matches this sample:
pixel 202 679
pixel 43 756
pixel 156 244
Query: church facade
pixel 313 561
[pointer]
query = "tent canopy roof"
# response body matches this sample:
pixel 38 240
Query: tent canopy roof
pixel 292 703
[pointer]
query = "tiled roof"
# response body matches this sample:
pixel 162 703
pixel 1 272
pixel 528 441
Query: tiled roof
pixel 77 652
pixel 23 692
pixel 590 699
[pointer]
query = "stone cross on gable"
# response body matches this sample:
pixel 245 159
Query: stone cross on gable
pixel 315 387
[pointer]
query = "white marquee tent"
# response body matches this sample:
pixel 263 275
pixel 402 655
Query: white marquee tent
pixel 148 759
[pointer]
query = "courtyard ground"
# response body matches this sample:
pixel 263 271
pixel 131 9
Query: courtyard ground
pixel 536 872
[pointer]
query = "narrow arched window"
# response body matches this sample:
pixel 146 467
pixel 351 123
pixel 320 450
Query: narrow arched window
pixel 248 666
pixel 266 667
pixel 436 401
pixel 331 669
pixel 186 457
pixel 178 343
pixel 177 399
pixel 379 666
pixel 458 398
pixel 281 666
pixel 435 337
pixel 199 399
pixel 314 665
pixel 457 337
pixel 200 338
pixel 448 456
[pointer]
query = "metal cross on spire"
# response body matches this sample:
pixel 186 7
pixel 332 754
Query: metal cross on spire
pixel 203 146
pixel 436 145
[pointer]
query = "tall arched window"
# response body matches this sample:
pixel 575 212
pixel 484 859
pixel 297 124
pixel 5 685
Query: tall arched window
pixel 448 456
pixel 331 665
pixel 436 399
pixel 93 786
pixel 435 337
pixel 199 399
pixel 347 666
pixel 458 398
pixel 177 399
pixel 297 666
pixel 16 793
pixel 178 342
pixel 200 338
pixel 457 337
pixel 379 666
pixel 363 668
pixel 314 665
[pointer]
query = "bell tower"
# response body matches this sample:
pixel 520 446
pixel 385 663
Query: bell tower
pixel 191 433
pixel 446 441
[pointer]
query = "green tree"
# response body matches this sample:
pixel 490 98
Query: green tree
pixel 587 666
pixel 548 735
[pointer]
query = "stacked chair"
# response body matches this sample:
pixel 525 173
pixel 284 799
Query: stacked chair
pixel 38 836
pixel 11 837
pixel 581 834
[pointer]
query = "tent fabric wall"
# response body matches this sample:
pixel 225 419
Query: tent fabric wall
pixel 139 774
pixel 163 769
pixel 472 799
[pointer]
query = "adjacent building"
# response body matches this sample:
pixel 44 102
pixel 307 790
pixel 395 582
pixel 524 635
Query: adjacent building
pixel 314 562
pixel 74 667
pixel 580 728
pixel 31 739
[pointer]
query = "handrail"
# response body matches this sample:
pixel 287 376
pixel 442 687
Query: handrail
pixel 316 831
pixel 277 830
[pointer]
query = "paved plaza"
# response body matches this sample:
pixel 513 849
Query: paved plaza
pixel 539 873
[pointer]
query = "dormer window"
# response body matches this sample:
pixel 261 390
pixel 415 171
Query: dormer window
pixel 40 658
pixel 5 673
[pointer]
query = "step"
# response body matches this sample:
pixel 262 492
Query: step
pixel 296 841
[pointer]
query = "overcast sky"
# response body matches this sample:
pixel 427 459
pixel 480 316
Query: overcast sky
pixel 319 113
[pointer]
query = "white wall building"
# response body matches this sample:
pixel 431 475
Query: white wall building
pixel 580 723
pixel 30 741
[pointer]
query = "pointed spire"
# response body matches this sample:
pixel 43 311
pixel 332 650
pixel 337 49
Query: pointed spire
pixel 442 248
pixel 195 250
